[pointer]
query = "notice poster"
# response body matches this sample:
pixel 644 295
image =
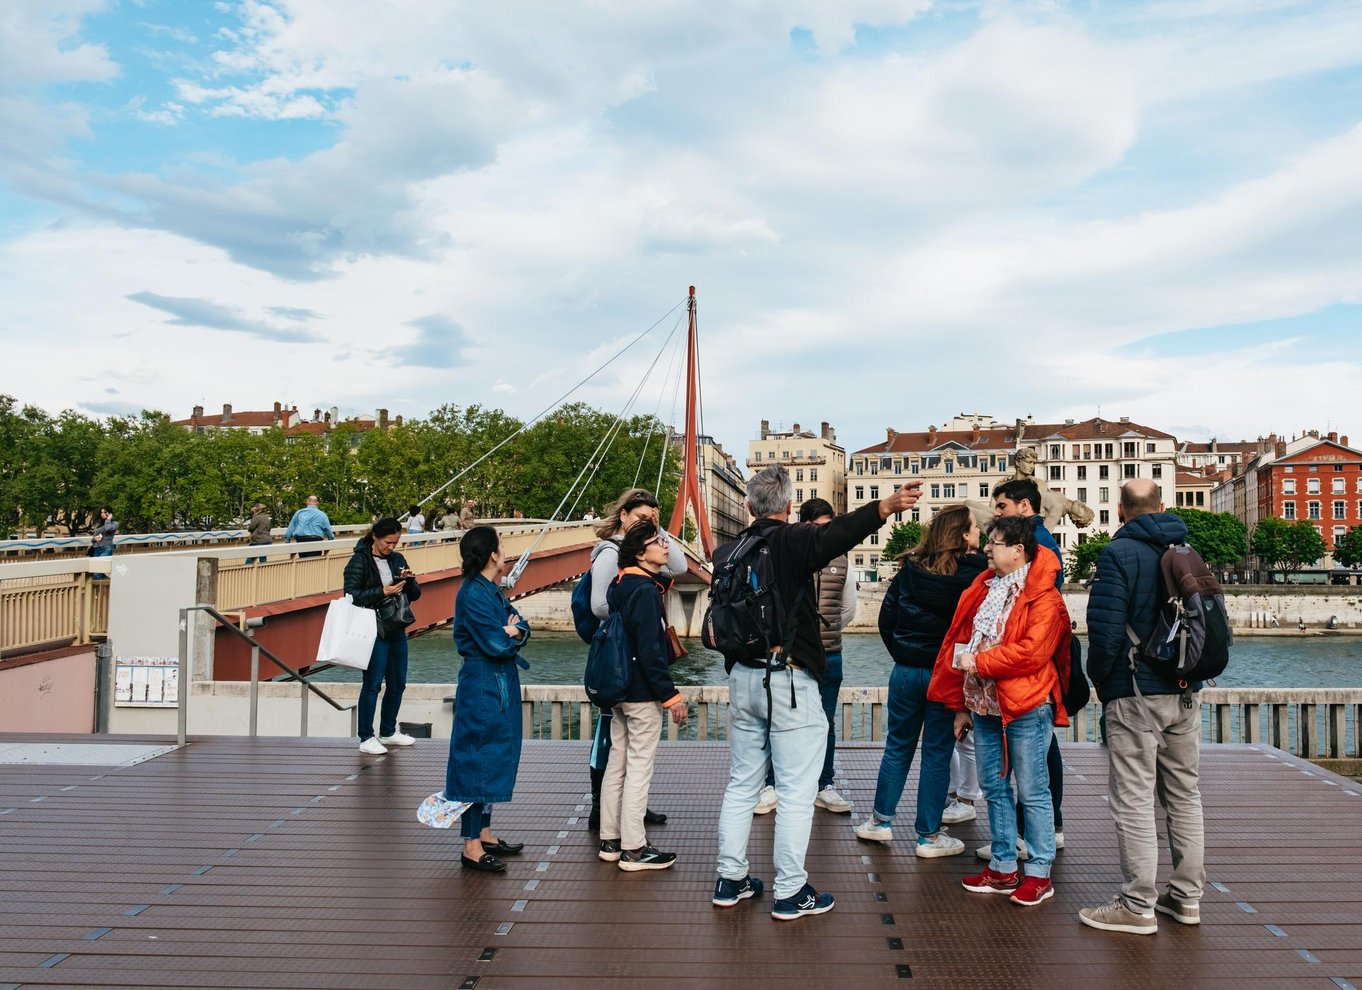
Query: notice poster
pixel 146 682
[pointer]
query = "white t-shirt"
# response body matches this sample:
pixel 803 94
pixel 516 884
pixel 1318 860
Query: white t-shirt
pixel 416 523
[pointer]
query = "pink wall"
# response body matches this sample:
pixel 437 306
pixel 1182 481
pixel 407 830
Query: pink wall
pixel 56 695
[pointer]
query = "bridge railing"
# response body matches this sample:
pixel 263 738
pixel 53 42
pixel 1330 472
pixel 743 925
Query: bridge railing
pixel 1310 722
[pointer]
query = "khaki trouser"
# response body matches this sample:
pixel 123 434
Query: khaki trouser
pixel 634 734
pixel 1157 753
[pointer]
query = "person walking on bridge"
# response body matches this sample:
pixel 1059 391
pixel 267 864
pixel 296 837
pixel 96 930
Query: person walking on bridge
pixel 309 525
pixel 258 530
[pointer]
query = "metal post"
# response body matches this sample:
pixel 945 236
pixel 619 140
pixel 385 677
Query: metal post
pixel 302 687
pixel 255 684
pixel 103 674
pixel 184 677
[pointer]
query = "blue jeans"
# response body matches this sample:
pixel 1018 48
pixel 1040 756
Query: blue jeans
pixel 1054 765
pixel 799 734
pixel 1027 743
pixel 102 550
pixel 909 715
pixel 474 820
pixel 387 665
pixel 828 688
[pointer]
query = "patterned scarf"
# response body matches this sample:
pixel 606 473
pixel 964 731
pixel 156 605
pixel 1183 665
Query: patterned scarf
pixel 981 693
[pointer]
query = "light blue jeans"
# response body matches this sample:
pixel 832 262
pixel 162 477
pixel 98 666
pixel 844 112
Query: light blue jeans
pixel 910 715
pixel 799 736
pixel 1028 743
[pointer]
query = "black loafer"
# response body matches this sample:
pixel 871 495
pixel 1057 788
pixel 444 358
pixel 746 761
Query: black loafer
pixel 503 848
pixel 486 863
pixel 652 817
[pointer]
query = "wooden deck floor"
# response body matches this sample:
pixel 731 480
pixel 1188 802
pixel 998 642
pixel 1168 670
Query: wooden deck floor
pixel 286 863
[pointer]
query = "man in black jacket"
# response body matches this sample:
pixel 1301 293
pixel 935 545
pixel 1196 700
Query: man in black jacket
pixel 1152 741
pixel 791 717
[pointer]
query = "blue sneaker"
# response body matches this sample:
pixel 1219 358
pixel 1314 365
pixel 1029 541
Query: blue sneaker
pixel 729 892
pixel 807 901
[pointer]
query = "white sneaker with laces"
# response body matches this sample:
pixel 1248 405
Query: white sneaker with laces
pixel 986 852
pixel 766 801
pixel 1059 839
pixel 957 812
pixel 829 799
pixel 941 844
pixel 873 830
pixel 397 739
pixel 373 747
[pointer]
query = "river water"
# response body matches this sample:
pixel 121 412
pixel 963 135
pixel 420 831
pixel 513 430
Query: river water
pixel 559 658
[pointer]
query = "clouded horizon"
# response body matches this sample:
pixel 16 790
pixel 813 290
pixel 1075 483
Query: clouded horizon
pixel 893 211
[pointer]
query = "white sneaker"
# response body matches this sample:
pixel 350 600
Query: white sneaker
pixel 373 747
pixel 986 852
pixel 941 844
pixel 397 739
pixel 1059 840
pixel 873 830
pixel 957 812
pixel 766 801
pixel 829 799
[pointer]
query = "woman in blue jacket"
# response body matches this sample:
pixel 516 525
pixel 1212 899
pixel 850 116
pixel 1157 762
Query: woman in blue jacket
pixel 636 594
pixel 914 619
pixel 484 748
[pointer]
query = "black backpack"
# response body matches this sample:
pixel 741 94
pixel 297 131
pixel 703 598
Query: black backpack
pixel 1078 693
pixel 609 661
pixel 746 620
pixel 1191 638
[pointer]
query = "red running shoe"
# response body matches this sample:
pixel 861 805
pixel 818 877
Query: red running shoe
pixel 1032 890
pixel 990 882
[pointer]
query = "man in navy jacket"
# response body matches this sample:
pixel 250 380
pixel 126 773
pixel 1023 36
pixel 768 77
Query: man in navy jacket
pixel 1152 742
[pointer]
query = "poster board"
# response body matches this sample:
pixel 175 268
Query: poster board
pixel 146 682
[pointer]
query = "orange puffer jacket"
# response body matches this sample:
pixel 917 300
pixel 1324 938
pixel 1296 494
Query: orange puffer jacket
pixel 1027 664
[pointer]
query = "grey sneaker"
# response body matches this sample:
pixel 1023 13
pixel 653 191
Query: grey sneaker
pixel 1116 917
pixel 874 830
pixel 941 844
pixel 1180 911
pixel 766 801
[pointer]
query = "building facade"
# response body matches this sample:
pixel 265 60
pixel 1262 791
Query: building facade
pixel 1319 481
pixel 722 485
pixel 817 465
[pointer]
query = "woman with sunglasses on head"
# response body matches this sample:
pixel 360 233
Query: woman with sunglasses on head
pixel 636 723
pixel 634 505
pixel 484 747
pixel 999 671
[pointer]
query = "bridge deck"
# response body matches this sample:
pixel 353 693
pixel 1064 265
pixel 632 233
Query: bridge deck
pixel 286 863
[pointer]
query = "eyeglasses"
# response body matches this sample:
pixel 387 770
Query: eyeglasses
pixel 1001 543
pixel 659 538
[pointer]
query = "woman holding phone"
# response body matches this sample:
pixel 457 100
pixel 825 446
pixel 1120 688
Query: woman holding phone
pixel 484 747
pixel 374 572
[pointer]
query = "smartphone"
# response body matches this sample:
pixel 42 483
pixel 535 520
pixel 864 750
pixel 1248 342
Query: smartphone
pixel 964 731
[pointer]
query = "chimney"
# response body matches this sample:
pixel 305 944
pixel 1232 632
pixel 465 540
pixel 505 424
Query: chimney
pixel 335 415
pixel 198 412
pixel 316 415
pixel 825 431
pixel 1343 440
pixel 1333 437
pixel 1068 422
pixel 1125 419
pixel 226 412
pixel 278 413
pixel 398 421
pixel 1280 448
pixel 931 434
pixel 795 431
pixel 889 437
pixel 974 434
pixel 382 418
pixel 1021 431
pixel 765 429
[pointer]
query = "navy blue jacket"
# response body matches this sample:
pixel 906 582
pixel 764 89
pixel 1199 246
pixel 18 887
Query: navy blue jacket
pixel 919 606
pixel 638 598
pixel 1128 589
pixel 1045 539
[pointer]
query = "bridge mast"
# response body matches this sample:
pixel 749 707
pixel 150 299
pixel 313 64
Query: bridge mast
pixel 689 490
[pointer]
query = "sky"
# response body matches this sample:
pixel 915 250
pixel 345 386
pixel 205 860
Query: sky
pixel 893 211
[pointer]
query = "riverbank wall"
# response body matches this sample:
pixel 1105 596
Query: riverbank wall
pixel 1251 610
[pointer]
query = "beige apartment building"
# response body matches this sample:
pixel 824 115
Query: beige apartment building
pixel 817 465
pixel 722 485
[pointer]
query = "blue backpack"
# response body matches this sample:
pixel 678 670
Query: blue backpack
pixel 609 662
pixel 583 619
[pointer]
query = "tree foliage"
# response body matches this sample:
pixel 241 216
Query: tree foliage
pixel 1220 537
pixel 1348 551
pixel 1287 546
pixel 1083 558
pixel 157 476
pixel 903 537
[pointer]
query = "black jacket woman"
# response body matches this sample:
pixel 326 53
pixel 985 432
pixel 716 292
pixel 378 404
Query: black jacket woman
pixel 375 572
pixel 914 619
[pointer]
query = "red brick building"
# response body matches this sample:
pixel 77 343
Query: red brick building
pixel 1321 483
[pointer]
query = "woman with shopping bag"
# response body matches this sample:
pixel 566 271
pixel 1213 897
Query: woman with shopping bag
pixel 484 747
pixel 377 577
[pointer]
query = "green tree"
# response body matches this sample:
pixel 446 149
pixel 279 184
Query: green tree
pixel 1287 546
pixel 1220 537
pixel 1348 551
pixel 903 537
pixel 1083 557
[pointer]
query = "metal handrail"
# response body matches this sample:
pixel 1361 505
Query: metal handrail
pixel 256 650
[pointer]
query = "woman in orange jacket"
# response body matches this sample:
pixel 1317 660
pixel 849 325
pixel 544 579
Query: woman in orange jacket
pixel 999 670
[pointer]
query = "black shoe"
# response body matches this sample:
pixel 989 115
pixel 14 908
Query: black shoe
pixel 503 848
pixel 486 863
pixel 593 820
pixel 651 817
pixel 645 858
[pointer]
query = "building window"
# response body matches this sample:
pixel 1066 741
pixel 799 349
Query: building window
pixel 983 490
pixel 936 491
pixel 1128 470
pixel 813 474
pixel 1082 472
pixel 948 491
pixel 875 467
pixel 874 540
pixel 1312 509
pixel 860 493
pixel 1128 449
pixel 1339 486
pixel 1056 451
pixel 1312 486
pixel 1082 494
pixel 874 492
pixel 913 469
pixel 1149 448
pixel 1056 472
pixel 1102 472
pixel 1156 471
pixel 756 457
pixel 1340 509
pixel 1201 499
pixel 917 516
pixel 799 474
pixel 950 467
pixel 1288 486
pixel 799 495
pixel 874 560
pixel 860 560
pixel 1339 533
pixel 898 467
pixel 1104 516
pixel 1288 510
pixel 1337 467
pixel 1104 494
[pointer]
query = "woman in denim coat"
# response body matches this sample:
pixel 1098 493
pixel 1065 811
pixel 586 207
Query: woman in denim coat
pixel 484 749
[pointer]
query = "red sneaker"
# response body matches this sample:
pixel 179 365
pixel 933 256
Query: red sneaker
pixel 1032 890
pixel 990 882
